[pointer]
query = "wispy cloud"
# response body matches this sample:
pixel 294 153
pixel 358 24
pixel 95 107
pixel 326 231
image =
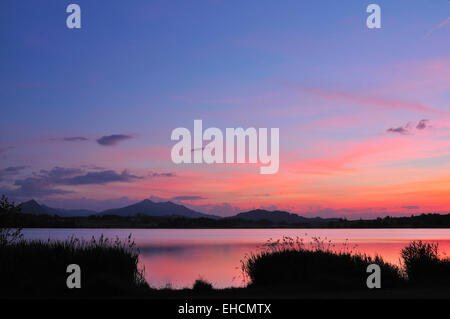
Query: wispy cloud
pixel 372 100
pixel 166 174
pixel 72 139
pixel 409 128
pixel 47 182
pixel 440 25
pixel 10 171
pixel 423 124
pixel 399 130
pixel 110 140
pixel 102 177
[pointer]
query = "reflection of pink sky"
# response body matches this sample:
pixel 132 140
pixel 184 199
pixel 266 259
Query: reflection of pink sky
pixel 220 264
pixel 215 254
pixel 180 256
pixel 216 264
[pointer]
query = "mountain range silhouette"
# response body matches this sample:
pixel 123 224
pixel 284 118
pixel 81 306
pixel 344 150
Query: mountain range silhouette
pixel 168 208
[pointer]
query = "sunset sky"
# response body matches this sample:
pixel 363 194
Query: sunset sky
pixel 364 114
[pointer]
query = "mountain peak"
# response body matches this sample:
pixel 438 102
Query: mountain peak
pixel 31 202
pixel 150 208
pixel 32 207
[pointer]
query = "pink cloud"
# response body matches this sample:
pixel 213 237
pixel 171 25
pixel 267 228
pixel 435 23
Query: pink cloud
pixel 373 101
pixel 423 78
pixel 440 25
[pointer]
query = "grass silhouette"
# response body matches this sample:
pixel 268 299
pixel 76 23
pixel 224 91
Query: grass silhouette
pixel 109 268
pixel 318 266
pixel 38 268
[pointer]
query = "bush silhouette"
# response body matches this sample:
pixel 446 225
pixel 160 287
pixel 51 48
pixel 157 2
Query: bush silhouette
pixel 8 212
pixel 289 263
pixel 202 285
pixel 422 263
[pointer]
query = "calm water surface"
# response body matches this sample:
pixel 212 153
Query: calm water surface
pixel 177 257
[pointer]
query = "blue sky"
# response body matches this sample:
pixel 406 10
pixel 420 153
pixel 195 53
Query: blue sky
pixel 143 68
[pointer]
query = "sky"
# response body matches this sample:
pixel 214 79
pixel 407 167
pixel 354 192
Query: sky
pixel 364 114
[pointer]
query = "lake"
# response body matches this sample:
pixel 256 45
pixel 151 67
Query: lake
pixel 177 257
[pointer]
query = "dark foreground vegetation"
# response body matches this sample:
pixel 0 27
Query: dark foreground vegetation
pixel 286 268
pixel 37 269
pixel 317 267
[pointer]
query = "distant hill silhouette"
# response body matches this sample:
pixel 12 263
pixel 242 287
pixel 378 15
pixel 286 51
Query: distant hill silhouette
pixel 148 214
pixel 278 217
pixel 33 207
pixel 166 209
pixel 150 208
pixel 68 212
pixel 145 207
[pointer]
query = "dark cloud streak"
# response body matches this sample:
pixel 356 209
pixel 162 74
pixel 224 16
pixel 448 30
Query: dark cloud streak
pixel 168 174
pixel 10 171
pixel 46 182
pixel 75 139
pixel 408 128
pixel 399 130
pixel 102 177
pixel 114 139
pixel 423 124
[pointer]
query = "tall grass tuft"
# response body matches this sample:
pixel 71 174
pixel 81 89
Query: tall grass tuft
pixel 319 266
pixel 38 268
